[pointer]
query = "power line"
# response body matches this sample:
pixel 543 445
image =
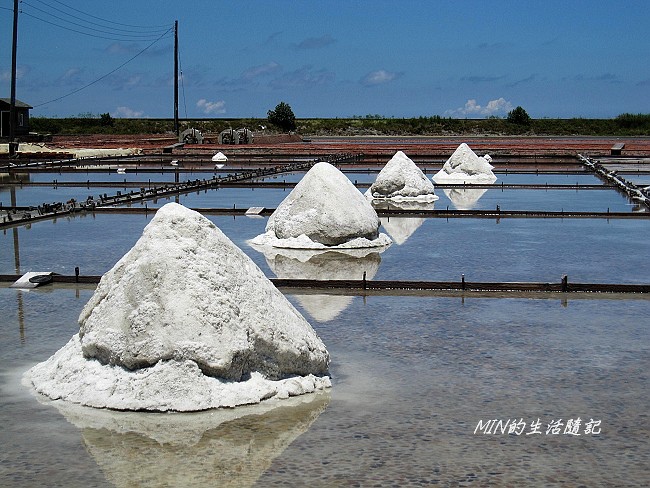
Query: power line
pixel 130 33
pixel 141 29
pixel 104 20
pixel 98 36
pixel 106 75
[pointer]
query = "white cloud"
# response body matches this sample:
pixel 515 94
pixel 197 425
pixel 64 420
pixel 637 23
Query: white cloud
pixel 379 77
pixel 211 107
pixel 304 77
pixel 128 113
pixel 261 70
pixel 21 71
pixel 316 42
pixel 473 109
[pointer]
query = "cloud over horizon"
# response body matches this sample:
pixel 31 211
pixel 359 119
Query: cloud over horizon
pixel 471 108
pixel 379 77
pixel 128 113
pixel 209 108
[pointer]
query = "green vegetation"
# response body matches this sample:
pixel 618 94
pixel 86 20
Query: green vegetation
pixel 623 125
pixel 518 116
pixel 282 117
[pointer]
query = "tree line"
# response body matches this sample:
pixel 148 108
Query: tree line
pixel 282 120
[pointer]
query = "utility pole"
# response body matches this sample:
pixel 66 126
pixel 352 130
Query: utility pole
pixel 176 128
pixel 12 107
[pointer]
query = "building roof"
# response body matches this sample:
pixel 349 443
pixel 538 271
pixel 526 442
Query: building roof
pixel 19 104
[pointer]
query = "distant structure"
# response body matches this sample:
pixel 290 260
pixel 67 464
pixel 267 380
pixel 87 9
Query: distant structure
pixel 22 117
pixel 239 136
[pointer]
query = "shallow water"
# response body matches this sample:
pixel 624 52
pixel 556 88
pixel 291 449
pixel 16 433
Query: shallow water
pixel 587 250
pixel 412 378
pixel 412 375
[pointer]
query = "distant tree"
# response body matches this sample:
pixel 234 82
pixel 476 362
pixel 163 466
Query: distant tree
pixel 106 120
pixel 282 117
pixel 519 116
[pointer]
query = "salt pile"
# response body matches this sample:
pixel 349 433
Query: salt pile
pixel 401 179
pixel 184 321
pixel 323 210
pixel 465 166
pixel 219 157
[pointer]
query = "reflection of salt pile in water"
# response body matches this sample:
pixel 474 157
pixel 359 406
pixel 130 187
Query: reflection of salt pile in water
pixel 324 210
pixel 226 447
pixel 465 198
pixel 184 321
pixel 401 228
pixel 318 265
pixel 465 166
pixel 401 179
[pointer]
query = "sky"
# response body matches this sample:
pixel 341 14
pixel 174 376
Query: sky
pixel 330 58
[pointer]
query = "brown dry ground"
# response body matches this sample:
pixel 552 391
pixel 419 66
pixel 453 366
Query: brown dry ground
pixel 379 146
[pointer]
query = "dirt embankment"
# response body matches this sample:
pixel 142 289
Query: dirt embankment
pixel 379 146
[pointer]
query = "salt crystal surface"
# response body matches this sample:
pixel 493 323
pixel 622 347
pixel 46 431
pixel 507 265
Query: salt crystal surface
pixel 465 166
pixel 401 179
pixel 324 210
pixel 185 321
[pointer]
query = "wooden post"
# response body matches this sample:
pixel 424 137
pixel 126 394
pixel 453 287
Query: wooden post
pixel 13 119
pixel 176 126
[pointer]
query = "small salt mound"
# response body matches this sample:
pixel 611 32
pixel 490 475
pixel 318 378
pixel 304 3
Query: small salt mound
pixel 185 321
pixel 401 179
pixel 323 210
pixel 219 157
pixel 465 165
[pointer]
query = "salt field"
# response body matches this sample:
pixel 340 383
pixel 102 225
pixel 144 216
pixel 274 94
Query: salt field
pixel 444 388
pixel 412 378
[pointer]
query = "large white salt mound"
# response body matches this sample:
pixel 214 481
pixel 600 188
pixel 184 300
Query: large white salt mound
pixel 323 210
pixel 465 165
pixel 185 321
pixel 401 179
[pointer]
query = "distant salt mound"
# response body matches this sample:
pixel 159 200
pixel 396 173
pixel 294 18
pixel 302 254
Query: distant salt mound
pixel 323 210
pixel 184 321
pixel 401 179
pixel 219 157
pixel 465 166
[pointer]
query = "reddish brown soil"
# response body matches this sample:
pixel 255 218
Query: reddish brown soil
pixel 413 146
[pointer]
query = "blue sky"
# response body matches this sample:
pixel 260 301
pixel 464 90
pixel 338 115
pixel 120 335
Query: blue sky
pixel 330 58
